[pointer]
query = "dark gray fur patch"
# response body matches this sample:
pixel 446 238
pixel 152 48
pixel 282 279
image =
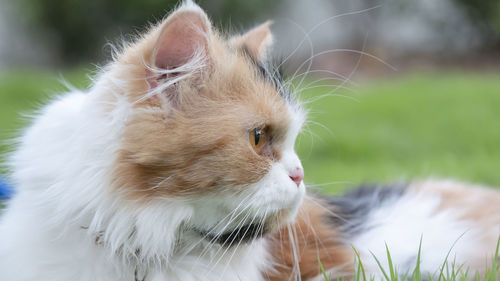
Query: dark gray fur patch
pixel 269 73
pixel 351 210
pixel 245 234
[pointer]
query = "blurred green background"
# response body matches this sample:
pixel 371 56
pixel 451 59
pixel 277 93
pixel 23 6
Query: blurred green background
pixel 420 125
pixel 437 116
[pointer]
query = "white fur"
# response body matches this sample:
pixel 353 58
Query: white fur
pixel 402 222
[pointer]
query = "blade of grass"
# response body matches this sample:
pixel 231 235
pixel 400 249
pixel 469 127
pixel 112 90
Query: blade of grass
pixel 380 266
pixel 495 266
pixel 358 258
pixel 392 271
pixel 417 275
pixel 323 270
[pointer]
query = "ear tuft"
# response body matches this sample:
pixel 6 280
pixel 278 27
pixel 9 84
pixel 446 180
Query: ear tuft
pixel 257 41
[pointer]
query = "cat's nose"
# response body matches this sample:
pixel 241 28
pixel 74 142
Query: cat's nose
pixel 297 175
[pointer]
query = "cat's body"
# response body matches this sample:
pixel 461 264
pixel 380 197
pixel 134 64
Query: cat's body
pixel 178 164
pixel 450 223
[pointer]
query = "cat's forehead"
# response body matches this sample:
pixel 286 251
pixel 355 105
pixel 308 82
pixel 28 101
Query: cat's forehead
pixel 266 72
pixel 238 86
pixel 238 75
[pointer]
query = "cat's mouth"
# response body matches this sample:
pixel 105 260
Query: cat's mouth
pixel 244 234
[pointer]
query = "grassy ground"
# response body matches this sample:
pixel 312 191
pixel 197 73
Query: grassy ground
pixel 448 271
pixel 421 125
pixel 416 126
pixel 22 92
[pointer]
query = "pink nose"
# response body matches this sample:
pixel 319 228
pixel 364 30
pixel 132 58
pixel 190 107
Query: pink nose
pixel 297 175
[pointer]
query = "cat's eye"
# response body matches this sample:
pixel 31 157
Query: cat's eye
pixel 257 139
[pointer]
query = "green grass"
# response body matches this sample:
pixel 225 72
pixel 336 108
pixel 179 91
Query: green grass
pixel 22 92
pixel 416 126
pixel 448 271
pixel 421 125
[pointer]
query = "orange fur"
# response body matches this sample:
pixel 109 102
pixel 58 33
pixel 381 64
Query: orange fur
pixel 470 202
pixel 477 205
pixel 314 240
pixel 198 143
pixel 257 41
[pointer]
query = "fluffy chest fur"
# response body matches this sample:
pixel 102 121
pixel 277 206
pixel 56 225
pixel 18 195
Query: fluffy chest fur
pixel 92 237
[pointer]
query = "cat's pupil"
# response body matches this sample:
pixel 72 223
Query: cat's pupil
pixel 257 134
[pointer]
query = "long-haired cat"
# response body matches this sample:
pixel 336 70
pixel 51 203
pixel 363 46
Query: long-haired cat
pixel 179 164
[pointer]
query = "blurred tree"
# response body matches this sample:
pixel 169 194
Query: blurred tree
pixel 486 13
pixel 80 28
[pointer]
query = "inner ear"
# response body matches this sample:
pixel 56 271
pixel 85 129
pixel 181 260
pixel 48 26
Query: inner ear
pixel 183 39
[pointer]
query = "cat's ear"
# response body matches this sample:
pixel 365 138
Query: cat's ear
pixel 257 41
pixel 183 37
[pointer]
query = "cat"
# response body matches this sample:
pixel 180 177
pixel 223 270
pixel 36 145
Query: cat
pixel 179 164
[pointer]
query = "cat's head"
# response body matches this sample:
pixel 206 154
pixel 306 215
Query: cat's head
pixel 211 125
